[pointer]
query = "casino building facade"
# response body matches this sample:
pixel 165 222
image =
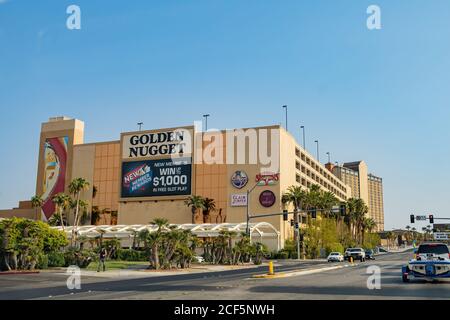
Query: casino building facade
pixel 149 174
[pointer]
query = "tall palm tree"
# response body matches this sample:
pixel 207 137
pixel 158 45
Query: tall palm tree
pixel 75 188
pixel 357 211
pixel 210 206
pixel 195 203
pixel 62 202
pixel 327 200
pixel 368 224
pixel 37 202
pixel 297 197
pixel 155 239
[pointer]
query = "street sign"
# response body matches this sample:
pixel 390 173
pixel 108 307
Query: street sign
pixel 441 235
pixel 421 218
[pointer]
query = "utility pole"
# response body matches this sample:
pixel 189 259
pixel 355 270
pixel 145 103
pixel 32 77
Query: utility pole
pixel 140 125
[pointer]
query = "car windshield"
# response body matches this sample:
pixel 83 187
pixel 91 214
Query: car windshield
pixel 355 250
pixel 334 253
pixel 433 248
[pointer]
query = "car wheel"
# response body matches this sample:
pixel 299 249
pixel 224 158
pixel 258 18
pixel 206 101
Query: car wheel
pixel 405 278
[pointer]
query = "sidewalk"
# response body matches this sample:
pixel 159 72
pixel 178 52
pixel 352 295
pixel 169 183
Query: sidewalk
pixel 145 273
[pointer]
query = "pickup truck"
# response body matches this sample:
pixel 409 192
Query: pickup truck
pixel 356 254
pixel 432 262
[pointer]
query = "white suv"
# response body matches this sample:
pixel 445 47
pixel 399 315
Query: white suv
pixel 433 250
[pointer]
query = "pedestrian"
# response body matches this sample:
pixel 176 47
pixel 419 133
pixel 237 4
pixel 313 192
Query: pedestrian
pixel 102 258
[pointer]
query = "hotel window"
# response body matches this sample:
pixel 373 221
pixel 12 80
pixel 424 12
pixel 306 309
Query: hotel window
pixel 297 152
pixel 297 178
pixel 297 165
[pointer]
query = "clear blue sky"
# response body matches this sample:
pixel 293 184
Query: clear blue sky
pixel 382 96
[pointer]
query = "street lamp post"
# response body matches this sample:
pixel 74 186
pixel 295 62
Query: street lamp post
pixel 206 121
pixel 329 157
pixel 140 125
pixel 304 139
pixel 318 155
pixel 286 111
pixel 247 230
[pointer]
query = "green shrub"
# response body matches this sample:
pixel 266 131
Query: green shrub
pixel 131 255
pixel 282 255
pixel 56 259
pixel 42 262
pixel 334 247
pixel 82 259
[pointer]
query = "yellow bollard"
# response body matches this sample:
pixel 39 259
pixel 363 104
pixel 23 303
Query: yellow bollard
pixel 271 272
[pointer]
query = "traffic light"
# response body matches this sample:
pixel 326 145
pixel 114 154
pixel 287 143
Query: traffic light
pixel 314 213
pixel 413 218
pixel 343 209
pixel 296 225
pixel 431 218
pixel 285 215
pixel 292 222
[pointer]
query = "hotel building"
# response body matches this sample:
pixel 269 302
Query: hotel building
pixel 149 174
pixel 363 185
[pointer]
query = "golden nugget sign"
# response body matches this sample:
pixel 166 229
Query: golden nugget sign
pixel 157 144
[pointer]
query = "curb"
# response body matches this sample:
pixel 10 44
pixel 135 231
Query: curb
pixel 6 273
pixel 301 272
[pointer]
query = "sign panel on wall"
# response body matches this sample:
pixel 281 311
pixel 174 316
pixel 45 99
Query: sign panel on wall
pixel 157 144
pixel 156 178
pixel 55 164
pixel 441 235
pixel 267 179
pixel 267 199
pixel 239 179
pixel 238 200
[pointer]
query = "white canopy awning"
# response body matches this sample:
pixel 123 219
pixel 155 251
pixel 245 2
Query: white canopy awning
pixel 258 230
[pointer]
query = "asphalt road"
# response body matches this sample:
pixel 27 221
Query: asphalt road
pixel 345 283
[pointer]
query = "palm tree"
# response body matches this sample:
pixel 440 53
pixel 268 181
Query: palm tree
pixel 357 212
pixel 367 224
pixel 296 196
pixel 37 202
pixel 327 200
pixel 195 203
pixel 155 239
pixel 75 187
pixel 62 202
pixel 209 206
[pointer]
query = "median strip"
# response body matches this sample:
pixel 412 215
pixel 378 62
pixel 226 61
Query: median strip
pixel 300 272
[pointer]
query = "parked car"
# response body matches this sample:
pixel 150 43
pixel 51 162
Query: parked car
pixel 199 259
pixel 370 255
pixel 356 254
pixel 335 257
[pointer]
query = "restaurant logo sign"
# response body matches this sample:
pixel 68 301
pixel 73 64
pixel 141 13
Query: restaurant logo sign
pixel 238 200
pixel 239 179
pixel 267 179
pixel 267 199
